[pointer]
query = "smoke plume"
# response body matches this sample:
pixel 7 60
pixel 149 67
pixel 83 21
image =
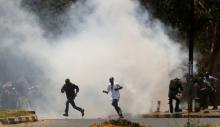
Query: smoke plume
pixel 102 39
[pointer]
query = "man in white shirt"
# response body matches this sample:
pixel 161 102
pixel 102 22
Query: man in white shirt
pixel 114 89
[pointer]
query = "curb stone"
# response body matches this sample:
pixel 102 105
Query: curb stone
pixel 4 121
pixel 182 115
pixel 21 119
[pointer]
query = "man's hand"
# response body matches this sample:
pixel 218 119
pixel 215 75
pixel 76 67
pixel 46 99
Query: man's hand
pixel 120 87
pixel 62 91
pixel 105 91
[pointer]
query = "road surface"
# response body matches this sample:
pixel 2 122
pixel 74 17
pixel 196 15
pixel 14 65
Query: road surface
pixel 153 122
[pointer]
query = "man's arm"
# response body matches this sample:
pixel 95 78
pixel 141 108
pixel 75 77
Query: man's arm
pixel 181 87
pixel 106 91
pixel 118 88
pixel 62 89
pixel 212 77
pixel 207 83
pixel 77 89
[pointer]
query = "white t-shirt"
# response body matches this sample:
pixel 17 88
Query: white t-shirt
pixel 115 93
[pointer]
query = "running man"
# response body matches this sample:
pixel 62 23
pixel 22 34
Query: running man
pixel 114 89
pixel 71 91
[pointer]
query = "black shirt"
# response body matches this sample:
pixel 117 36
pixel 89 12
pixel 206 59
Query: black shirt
pixel 175 87
pixel 70 89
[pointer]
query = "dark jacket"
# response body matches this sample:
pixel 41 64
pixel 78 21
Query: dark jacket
pixel 175 87
pixel 70 89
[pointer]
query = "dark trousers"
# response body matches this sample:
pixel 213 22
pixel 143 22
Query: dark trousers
pixel 71 101
pixel 203 101
pixel 212 98
pixel 203 95
pixel 171 98
pixel 117 108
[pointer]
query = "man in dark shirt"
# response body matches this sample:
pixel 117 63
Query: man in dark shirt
pixel 210 82
pixel 71 91
pixel 175 88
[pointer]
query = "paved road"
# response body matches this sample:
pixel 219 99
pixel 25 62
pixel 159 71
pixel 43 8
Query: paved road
pixel 153 122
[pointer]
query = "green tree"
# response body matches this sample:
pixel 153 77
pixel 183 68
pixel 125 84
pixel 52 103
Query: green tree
pixel 206 24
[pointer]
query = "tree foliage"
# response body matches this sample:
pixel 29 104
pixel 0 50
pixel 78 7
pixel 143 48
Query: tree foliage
pixel 206 25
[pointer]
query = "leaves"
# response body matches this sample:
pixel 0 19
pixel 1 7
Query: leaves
pixel 205 19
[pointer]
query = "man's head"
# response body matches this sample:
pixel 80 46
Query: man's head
pixel 111 80
pixel 67 81
pixel 207 74
pixel 177 79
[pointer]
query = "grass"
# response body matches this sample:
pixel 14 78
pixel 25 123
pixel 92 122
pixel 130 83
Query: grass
pixel 14 113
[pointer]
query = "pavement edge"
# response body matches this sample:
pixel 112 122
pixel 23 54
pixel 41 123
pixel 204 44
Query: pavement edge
pixel 20 119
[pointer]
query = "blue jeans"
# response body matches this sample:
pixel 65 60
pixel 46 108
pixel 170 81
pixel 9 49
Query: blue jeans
pixel 71 101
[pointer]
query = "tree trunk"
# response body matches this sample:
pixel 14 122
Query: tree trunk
pixel 215 46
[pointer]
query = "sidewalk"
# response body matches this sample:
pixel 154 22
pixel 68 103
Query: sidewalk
pixel 17 116
pixel 202 114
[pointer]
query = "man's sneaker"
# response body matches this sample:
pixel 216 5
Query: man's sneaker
pixel 178 110
pixel 83 111
pixel 215 108
pixel 65 114
pixel 121 117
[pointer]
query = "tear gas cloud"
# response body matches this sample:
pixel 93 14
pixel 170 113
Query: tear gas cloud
pixel 102 39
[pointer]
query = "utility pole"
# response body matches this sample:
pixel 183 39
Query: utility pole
pixel 191 47
pixel 190 66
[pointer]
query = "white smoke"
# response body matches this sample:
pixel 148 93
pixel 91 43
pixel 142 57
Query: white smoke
pixel 112 38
